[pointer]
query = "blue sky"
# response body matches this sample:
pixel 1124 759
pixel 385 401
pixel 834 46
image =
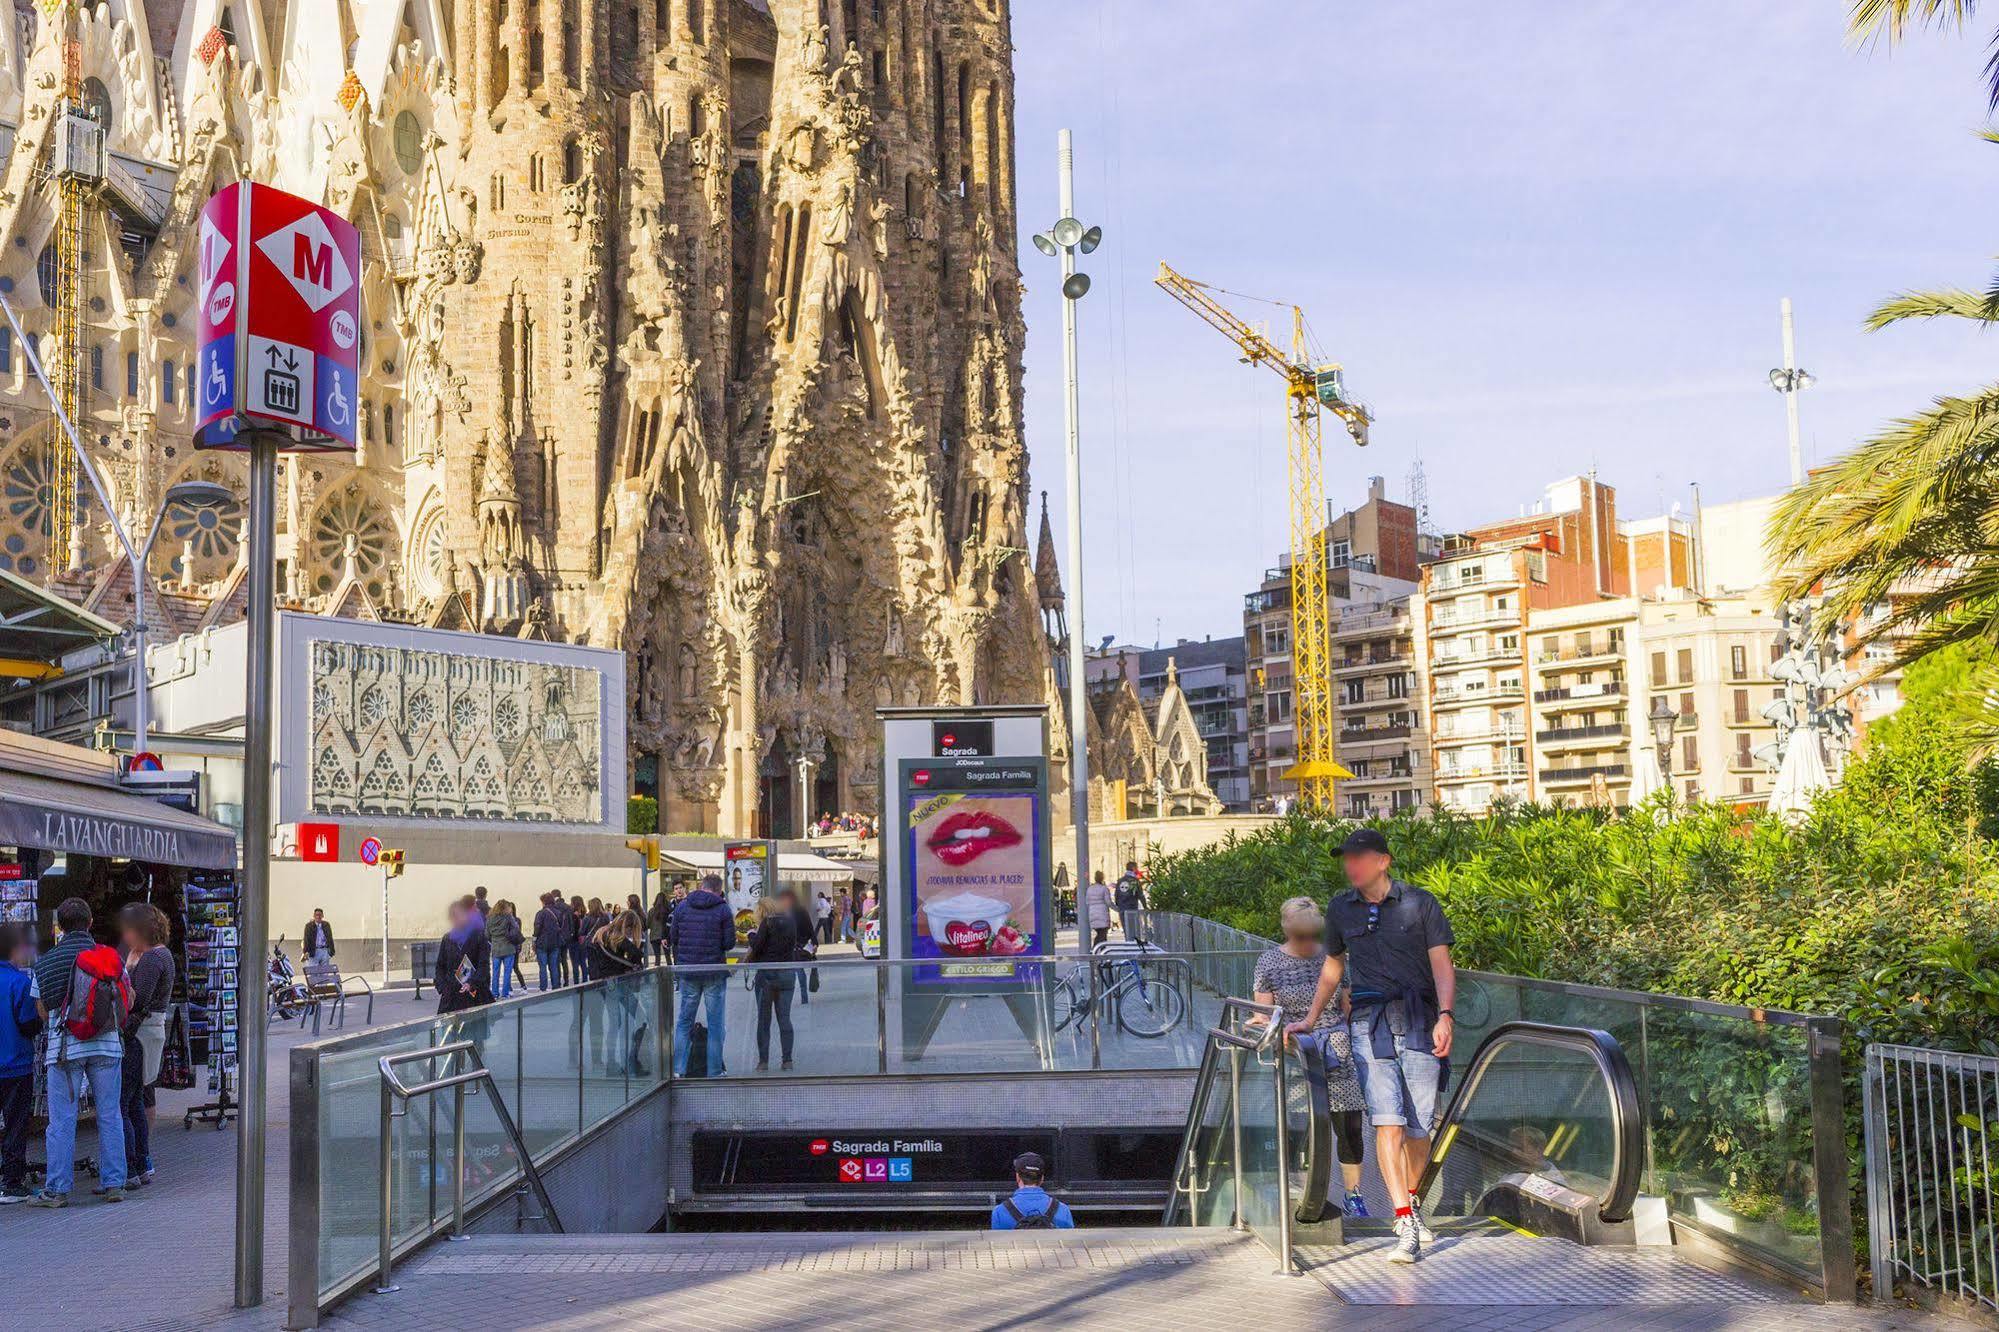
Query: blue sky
pixel 1539 235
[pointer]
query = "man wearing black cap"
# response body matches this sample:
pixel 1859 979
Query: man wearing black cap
pixel 1030 1207
pixel 1392 940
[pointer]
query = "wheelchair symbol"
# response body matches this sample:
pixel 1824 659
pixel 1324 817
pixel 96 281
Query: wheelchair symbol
pixel 217 387
pixel 337 409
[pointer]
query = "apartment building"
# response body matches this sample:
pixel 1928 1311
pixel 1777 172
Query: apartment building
pixel 1471 633
pixel 1584 662
pixel 1371 560
pixel 1381 737
pixel 1709 658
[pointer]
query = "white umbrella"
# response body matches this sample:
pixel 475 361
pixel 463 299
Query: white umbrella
pixel 1800 776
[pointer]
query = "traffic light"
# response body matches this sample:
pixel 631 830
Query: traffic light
pixel 392 864
pixel 648 848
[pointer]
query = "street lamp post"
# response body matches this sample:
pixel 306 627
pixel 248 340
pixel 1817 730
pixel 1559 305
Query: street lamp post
pixel 1790 381
pixel 1064 239
pixel 1663 720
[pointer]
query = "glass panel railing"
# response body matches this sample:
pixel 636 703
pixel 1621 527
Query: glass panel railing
pixel 569 1060
pixel 1733 1131
pixel 1240 1162
pixel 1539 1104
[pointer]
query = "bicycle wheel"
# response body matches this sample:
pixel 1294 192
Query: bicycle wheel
pixel 1069 1001
pixel 1148 1007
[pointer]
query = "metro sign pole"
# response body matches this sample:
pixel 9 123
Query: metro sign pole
pixel 278 368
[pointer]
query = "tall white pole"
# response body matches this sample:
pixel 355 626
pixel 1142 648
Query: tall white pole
pixel 1079 693
pixel 1791 394
pixel 253 904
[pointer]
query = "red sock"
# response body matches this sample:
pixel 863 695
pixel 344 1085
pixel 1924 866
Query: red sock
pixel 1401 1212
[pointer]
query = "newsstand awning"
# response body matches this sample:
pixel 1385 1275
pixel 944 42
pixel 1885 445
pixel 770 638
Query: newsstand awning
pixel 90 820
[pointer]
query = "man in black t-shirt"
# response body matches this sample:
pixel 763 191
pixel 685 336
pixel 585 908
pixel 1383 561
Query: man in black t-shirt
pixel 1391 940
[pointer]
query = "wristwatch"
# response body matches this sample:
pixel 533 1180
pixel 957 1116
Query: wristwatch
pixel 1445 1012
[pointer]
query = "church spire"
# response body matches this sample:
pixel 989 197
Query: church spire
pixel 1047 574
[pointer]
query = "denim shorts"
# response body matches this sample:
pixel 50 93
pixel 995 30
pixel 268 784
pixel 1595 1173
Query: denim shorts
pixel 1402 1092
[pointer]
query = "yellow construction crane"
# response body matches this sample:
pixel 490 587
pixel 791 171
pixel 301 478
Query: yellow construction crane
pixel 76 152
pixel 1308 388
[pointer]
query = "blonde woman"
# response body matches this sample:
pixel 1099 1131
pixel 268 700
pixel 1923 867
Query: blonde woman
pixel 774 940
pixel 616 949
pixel 1288 976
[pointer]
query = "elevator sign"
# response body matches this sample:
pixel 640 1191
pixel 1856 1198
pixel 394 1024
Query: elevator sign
pixel 280 315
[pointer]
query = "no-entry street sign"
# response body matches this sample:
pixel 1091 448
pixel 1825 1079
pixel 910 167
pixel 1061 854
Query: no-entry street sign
pixel 280 315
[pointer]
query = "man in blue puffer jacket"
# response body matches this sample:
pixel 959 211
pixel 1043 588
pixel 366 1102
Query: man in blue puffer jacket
pixel 704 930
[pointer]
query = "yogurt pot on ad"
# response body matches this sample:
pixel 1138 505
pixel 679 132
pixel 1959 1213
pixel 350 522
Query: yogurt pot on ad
pixel 966 924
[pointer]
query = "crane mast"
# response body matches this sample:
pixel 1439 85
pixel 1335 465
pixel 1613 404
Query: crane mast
pixel 76 160
pixel 1308 389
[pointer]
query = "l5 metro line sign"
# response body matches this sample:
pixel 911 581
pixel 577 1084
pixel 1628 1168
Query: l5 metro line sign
pixel 279 317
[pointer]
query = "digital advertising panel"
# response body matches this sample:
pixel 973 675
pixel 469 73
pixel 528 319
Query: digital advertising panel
pixel 974 853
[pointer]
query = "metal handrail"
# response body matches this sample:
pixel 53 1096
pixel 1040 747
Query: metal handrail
pixel 395 1089
pixel 1235 1044
pixel 1627 1159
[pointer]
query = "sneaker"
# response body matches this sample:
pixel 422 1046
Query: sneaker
pixel 1408 1247
pixel 114 1195
pixel 14 1193
pixel 785 1064
pixel 47 1199
pixel 1356 1205
pixel 1423 1231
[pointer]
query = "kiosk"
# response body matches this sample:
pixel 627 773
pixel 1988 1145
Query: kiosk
pixel 965 866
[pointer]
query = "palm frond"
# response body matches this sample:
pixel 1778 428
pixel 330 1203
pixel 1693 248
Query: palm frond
pixel 1952 301
pixel 1890 20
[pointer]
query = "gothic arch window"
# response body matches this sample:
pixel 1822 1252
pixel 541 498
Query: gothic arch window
pixel 937 109
pixel 534 57
pixel 696 24
pixel 572 161
pixel 507 721
pixel 330 778
pixel 97 104
pixel 501 75
pixel 964 127
pixel 351 512
pixel 409 143
pixel 427 569
pixel 993 155
pixel 801 238
pixel 48 272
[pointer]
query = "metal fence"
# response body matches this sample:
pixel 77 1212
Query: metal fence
pixel 1931 1117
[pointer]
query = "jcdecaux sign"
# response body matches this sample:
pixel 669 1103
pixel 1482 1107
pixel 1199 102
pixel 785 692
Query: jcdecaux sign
pixel 280 316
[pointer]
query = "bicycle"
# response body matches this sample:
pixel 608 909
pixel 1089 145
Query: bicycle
pixel 1129 989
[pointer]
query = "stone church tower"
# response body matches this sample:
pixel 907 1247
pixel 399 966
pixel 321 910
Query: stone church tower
pixel 693 329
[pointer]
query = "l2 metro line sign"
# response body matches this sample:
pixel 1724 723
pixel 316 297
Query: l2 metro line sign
pixel 280 317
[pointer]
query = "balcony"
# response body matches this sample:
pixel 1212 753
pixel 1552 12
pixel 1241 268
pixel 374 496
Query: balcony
pixel 1511 735
pixel 1450 661
pixel 1454 698
pixel 1581 695
pixel 1561 735
pixel 1592 654
pixel 1448 621
pixel 1570 776
pixel 1372 661
pixel 1366 777
pixel 1482 772
pixel 1370 701
pixel 1368 735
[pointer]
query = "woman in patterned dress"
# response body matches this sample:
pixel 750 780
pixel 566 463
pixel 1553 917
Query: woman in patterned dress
pixel 1288 976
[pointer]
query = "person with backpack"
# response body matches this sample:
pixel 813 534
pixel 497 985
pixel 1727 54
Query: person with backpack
pixel 1031 1207
pixel 19 1021
pixel 1128 897
pixel 704 930
pixel 503 944
pixel 579 925
pixel 84 998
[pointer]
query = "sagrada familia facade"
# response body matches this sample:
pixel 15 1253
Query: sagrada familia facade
pixel 691 327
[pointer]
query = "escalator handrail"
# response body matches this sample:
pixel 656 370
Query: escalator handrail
pixel 1320 1151
pixel 1218 1039
pixel 1627 1136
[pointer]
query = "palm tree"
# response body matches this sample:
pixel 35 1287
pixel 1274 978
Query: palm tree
pixel 1915 510
pixel 1890 20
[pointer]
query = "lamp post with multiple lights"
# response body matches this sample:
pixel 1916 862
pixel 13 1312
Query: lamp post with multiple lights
pixel 1063 240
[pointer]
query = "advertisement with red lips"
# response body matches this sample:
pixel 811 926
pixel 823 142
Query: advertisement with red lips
pixel 973 862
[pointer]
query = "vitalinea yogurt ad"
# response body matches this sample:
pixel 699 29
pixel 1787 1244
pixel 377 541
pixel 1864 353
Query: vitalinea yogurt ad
pixel 972 859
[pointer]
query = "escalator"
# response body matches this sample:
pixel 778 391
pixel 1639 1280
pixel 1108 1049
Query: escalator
pixel 1535 1190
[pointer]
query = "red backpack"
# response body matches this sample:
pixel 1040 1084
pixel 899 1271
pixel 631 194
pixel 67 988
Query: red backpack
pixel 99 995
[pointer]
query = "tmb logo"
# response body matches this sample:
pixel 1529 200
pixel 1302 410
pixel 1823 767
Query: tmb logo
pixel 819 1147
